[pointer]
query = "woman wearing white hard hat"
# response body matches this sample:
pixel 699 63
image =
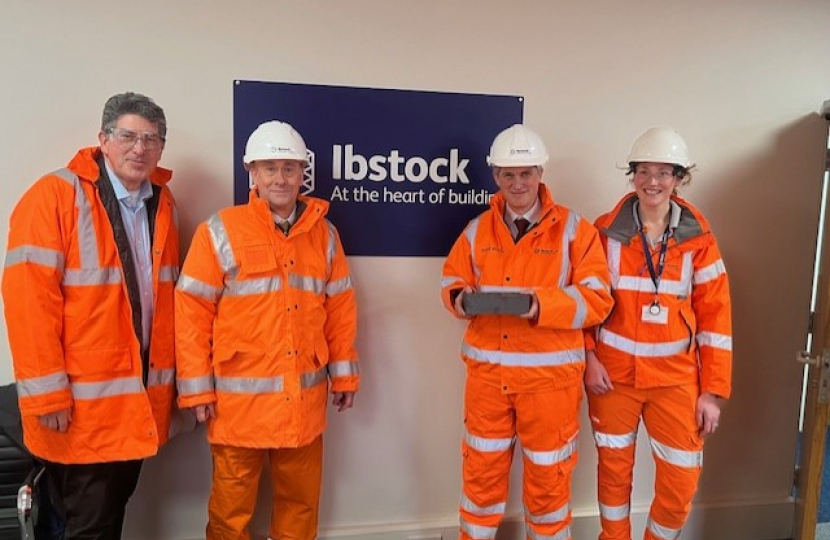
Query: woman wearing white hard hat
pixel 665 352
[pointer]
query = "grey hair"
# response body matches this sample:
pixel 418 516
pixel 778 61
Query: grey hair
pixel 132 103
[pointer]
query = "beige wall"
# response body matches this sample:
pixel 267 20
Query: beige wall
pixel 740 79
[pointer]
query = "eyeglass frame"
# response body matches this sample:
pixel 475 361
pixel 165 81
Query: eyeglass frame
pixel 115 132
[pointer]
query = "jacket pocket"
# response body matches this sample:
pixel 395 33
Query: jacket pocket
pixel 321 350
pixel 99 361
pixel 690 324
pixel 231 361
pixel 259 259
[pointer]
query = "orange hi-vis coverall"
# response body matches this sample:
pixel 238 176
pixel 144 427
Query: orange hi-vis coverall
pixel 523 376
pixel 659 366
pixel 263 321
pixel 70 320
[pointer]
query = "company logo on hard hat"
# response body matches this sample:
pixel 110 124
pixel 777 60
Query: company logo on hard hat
pixel 521 151
pixel 308 174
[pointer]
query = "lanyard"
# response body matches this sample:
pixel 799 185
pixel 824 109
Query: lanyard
pixel 656 273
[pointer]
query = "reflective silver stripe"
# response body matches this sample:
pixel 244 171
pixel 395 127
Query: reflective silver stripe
pixel 82 277
pixel 614 513
pixel 478 532
pixel 198 288
pixel 637 348
pixel 551 457
pixel 194 385
pixel 644 284
pixel 161 377
pixel 339 286
pixel 87 241
pixel 331 250
pixel 687 273
pixel 169 273
pixel 248 287
pixel 222 246
pixel 613 255
pixel 470 233
pixel 306 283
pixel 680 458
pixel 606 440
pixel 307 380
pixel 517 359
pixel 115 387
pixel 46 384
pixel 564 534
pixel 594 283
pixel 451 280
pixel 662 532
pixel 488 445
pixel 499 288
pixel 249 385
pixel 37 255
pixel 551 517
pixel 713 339
pixel 570 233
pixel 710 273
pixel 492 510
pixel 343 369
pixel 175 215
pixel 581 307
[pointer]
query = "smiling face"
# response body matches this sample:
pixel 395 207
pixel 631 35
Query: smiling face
pixel 519 185
pixel 127 151
pixel 654 183
pixel 278 181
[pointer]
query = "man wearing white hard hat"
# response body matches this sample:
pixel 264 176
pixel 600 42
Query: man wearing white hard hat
pixel 529 275
pixel 265 323
pixel 665 352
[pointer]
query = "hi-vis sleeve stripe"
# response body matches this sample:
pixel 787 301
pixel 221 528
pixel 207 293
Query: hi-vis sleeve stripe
pixel 614 513
pixel 343 369
pixel 713 339
pixel 222 246
pixel 674 456
pixel 613 256
pixel 37 255
pixel 37 386
pixel 195 385
pixel 450 280
pixel 516 359
pixel 551 457
pixel 551 517
pixel 198 288
pixel 638 348
pixel 606 440
pixel 339 286
pixel 665 533
pixel 87 241
pixel 492 510
pixel 581 307
pixel 710 273
pixel 115 387
pixel 470 232
pixel 483 444
pixel 571 224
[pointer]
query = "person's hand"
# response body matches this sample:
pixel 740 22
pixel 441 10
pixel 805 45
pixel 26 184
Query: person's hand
pixel 203 412
pixel 58 421
pixel 708 413
pixel 533 312
pixel 459 303
pixel 597 380
pixel 343 400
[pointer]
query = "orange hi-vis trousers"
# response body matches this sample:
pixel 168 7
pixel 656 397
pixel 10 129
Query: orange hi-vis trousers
pixel 669 416
pixel 296 474
pixel 546 424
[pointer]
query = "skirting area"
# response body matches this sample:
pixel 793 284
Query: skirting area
pixel 754 520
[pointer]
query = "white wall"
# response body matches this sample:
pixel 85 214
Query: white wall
pixel 741 80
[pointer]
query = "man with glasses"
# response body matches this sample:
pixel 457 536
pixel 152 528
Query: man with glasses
pixel 524 362
pixel 88 287
pixel 265 317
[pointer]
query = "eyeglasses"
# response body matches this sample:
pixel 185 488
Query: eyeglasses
pixel 126 139
pixel 289 171
pixel 660 176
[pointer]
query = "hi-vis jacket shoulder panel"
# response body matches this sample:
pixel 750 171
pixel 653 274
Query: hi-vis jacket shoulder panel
pixel 695 344
pixel 561 260
pixel 70 322
pixel 263 321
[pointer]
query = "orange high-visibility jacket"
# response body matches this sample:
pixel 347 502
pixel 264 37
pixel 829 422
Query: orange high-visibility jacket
pixel 70 322
pixel 695 343
pixel 561 260
pixel 263 320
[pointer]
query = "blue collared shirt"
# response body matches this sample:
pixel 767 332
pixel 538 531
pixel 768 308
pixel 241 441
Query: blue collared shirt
pixel 134 216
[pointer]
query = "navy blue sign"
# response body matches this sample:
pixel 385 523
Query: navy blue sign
pixel 404 171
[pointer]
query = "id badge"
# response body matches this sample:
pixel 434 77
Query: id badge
pixel 654 316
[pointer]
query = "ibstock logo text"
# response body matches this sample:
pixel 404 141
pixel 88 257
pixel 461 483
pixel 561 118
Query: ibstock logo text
pixel 348 165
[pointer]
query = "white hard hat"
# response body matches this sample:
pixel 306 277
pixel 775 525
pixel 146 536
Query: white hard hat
pixel 517 146
pixel 660 145
pixel 275 140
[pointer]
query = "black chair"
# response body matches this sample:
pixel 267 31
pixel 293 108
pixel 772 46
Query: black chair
pixel 17 470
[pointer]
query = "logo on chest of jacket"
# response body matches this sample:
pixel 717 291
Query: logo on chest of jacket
pixel 492 249
pixel 543 251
